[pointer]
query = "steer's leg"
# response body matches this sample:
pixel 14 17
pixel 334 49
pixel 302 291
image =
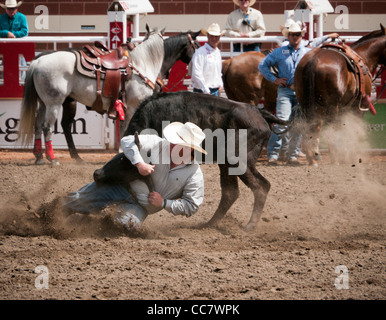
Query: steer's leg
pixel 260 187
pixel 229 194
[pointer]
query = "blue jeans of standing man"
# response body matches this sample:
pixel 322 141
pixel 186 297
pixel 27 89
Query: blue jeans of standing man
pixel 286 101
pixel 213 91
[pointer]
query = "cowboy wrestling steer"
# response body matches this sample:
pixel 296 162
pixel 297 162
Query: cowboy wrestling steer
pixel 214 114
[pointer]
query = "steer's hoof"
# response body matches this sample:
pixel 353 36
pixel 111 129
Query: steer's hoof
pixel 250 227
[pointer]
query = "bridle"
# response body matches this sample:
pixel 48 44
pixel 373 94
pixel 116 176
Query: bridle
pixel 192 44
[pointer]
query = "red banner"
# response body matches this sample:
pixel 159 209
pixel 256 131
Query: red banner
pixel 10 52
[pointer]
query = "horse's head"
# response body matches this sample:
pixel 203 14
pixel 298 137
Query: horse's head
pixel 382 58
pixel 191 46
pixel 372 47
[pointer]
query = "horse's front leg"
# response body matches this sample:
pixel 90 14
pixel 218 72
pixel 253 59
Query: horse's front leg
pixel 68 116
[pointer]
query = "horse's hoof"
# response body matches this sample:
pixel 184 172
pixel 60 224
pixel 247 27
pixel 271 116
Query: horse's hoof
pixel 40 161
pixel 54 163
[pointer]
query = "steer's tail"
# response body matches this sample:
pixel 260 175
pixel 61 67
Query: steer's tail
pixel 271 118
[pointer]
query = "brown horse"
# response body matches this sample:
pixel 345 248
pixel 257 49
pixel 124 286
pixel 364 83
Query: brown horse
pixel 243 82
pixel 326 85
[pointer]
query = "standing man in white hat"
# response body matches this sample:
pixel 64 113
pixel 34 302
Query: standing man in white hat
pixel 285 59
pixel 206 64
pixel 13 24
pixel 176 176
pixel 245 22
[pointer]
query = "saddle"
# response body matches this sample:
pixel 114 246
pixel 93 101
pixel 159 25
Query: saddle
pixel 355 63
pixel 111 66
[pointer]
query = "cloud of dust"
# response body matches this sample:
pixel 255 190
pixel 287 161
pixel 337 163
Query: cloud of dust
pixel 22 218
pixel 347 140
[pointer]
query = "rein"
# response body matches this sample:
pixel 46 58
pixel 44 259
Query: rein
pixel 150 83
pixel 380 71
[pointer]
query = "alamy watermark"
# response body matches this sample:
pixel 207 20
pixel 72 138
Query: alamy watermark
pixel 41 281
pixel 341 281
pixel 342 21
pixel 42 22
pixel 223 147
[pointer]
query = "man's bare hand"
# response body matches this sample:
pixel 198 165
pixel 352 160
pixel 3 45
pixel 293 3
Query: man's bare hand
pixel 281 82
pixel 155 199
pixel 145 168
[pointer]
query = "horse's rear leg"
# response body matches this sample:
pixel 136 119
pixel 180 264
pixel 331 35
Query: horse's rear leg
pixel 260 187
pixel 311 142
pixel 229 194
pixel 38 149
pixel 51 116
pixel 69 112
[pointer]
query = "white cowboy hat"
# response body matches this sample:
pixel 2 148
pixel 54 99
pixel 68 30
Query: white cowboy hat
pixel 11 4
pixel 290 26
pixel 251 2
pixel 188 135
pixel 213 30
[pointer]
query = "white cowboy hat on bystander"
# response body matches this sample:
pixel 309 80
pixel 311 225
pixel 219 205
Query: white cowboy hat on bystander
pixel 11 4
pixel 291 26
pixel 213 30
pixel 188 135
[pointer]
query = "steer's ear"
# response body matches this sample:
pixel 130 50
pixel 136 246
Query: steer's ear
pixel 136 140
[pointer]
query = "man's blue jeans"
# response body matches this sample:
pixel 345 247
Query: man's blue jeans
pixel 286 101
pixel 93 198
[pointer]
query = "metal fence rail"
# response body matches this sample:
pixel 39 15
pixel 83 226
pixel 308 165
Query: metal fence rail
pixel 90 39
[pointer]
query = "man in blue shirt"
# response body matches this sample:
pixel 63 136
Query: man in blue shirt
pixel 13 24
pixel 285 59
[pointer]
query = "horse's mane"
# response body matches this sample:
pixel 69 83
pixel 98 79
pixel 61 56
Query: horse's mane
pixel 149 52
pixel 371 36
pixel 173 43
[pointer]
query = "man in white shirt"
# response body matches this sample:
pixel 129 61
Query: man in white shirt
pixel 206 64
pixel 177 178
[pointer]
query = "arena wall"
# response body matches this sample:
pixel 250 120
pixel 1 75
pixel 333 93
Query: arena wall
pixel 89 17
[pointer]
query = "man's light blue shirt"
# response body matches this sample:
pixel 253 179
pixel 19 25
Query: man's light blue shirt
pixel 286 59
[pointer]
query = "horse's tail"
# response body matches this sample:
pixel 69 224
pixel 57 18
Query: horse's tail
pixel 28 109
pixel 308 79
pixel 225 67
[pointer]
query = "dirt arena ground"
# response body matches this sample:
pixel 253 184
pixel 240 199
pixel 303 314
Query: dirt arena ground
pixel 321 236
